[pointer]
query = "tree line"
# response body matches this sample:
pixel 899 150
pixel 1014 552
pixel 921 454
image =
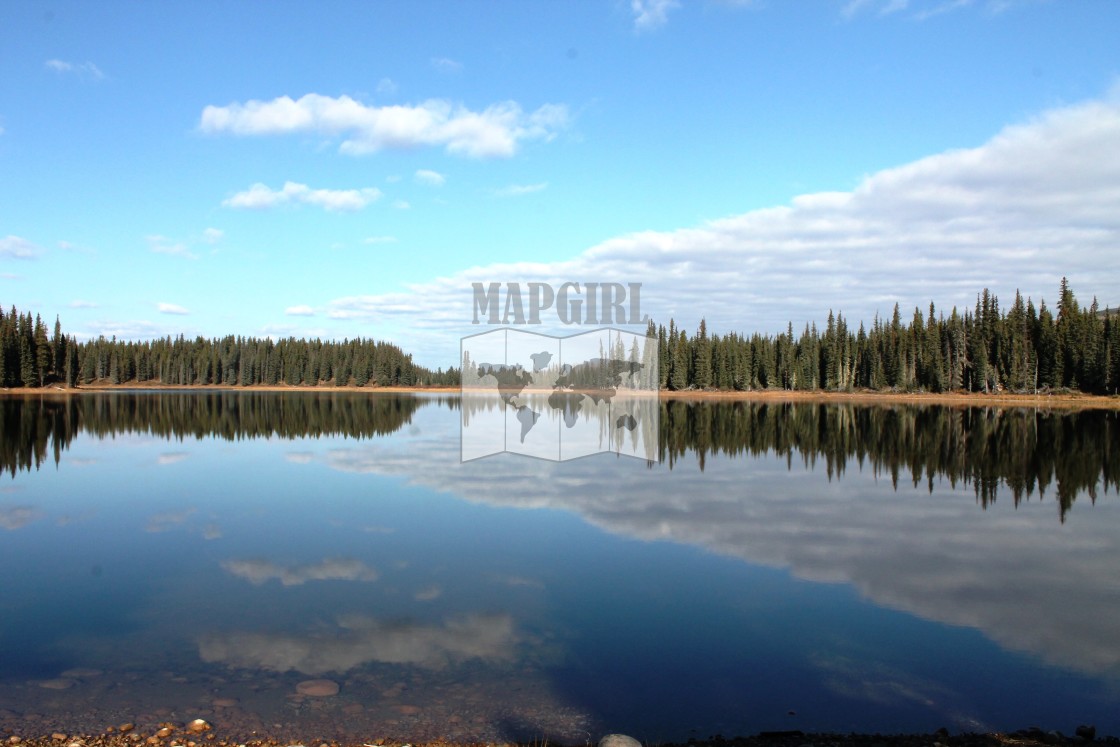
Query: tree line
pixel 986 349
pixel 31 358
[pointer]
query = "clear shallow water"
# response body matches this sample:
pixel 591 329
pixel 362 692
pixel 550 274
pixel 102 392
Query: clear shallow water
pixel 871 569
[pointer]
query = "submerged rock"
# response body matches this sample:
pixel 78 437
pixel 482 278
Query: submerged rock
pixel 619 740
pixel 61 683
pixel 317 688
pixel 1086 732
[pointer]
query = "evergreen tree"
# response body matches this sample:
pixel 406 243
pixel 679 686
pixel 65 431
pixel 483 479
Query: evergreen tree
pixel 702 358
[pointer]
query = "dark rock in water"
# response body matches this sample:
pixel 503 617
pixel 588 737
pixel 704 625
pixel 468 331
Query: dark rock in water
pixel 619 740
pixel 1086 732
pixel 317 688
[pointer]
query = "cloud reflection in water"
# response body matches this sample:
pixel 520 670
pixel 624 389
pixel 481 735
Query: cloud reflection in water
pixel 359 640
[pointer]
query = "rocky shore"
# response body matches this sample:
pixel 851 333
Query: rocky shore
pixel 199 733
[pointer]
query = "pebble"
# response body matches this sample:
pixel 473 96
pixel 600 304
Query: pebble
pixel 61 683
pixel 619 740
pixel 318 688
pixel 126 728
pixel 224 702
pixel 164 732
pixel 198 726
pixel 408 710
pixel 58 736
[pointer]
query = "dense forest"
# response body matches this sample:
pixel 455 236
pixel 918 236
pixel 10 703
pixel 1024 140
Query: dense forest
pixel 1023 349
pixel 985 349
pixel 31 358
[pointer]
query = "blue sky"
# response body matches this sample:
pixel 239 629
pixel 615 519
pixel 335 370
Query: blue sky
pixel 343 169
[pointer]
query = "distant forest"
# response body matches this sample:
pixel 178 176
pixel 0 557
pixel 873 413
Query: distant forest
pixel 983 350
pixel 1022 349
pixel 31 358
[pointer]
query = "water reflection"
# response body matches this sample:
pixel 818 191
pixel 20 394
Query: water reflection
pixel 357 640
pixel 1028 451
pixel 237 543
pixel 35 427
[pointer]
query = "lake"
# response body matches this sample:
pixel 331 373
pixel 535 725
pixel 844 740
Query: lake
pixel 777 566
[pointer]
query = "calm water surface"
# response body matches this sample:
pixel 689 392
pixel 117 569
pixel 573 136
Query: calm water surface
pixel 169 556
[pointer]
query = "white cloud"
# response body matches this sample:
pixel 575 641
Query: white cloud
pixel 126 330
pixel 170 308
pixel 517 190
pixel 924 11
pixel 78 303
pixel 401 204
pixel 10 276
pixel 164 245
pixel 213 235
pixel 260 196
pixel 18 248
pixel 172 457
pixel 83 69
pixel 940 8
pixel 258 572
pixel 301 310
pixel 69 246
pixel 380 240
pixel 386 86
pixel 651 14
pixel 496 131
pixel 429 178
pixel 446 65
pixel 1034 203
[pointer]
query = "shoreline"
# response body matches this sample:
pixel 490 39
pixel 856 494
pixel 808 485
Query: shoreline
pixel 1067 401
pixel 176 735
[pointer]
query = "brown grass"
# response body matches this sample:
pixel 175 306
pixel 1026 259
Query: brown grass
pixel 955 399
